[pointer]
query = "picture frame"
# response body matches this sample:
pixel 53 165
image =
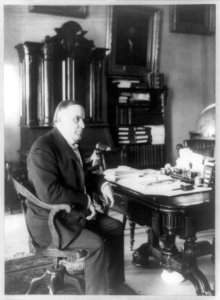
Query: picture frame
pixel 76 11
pixel 144 21
pixel 193 19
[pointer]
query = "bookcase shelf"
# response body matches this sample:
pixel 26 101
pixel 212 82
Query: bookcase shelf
pixel 136 118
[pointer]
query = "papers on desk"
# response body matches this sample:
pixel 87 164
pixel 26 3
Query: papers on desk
pixel 125 172
pixel 162 187
pixel 187 157
pixel 148 182
pixel 121 172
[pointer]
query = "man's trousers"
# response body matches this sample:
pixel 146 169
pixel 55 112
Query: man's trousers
pixel 103 238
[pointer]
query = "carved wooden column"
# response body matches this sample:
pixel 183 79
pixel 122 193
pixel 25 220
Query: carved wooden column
pixel 20 50
pixel 47 84
pixel 96 79
pixel 29 64
pixel 68 78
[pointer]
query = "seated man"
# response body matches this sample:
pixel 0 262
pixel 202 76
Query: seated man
pixel 59 175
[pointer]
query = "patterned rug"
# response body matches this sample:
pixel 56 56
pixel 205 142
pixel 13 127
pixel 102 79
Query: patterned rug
pixel 19 272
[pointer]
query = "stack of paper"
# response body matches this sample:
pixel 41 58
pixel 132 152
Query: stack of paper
pixel 140 97
pixel 158 134
pixel 125 83
pixel 190 160
pixel 121 172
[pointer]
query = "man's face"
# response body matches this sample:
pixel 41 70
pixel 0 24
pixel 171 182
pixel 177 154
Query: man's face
pixel 72 123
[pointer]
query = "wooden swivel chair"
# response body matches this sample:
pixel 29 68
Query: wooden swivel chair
pixel 53 278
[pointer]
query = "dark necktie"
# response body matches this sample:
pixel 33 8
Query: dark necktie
pixel 76 151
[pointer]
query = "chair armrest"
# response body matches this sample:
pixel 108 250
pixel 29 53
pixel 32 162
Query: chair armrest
pixel 52 208
pixel 53 230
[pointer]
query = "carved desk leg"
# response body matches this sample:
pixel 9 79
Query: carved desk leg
pixel 132 230
pixel 186 266
pixel 124 221
pixel 183 262
pixel 199 281
pixel 192 250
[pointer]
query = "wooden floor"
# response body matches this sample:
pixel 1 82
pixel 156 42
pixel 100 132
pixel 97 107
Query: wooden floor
pixel 144 281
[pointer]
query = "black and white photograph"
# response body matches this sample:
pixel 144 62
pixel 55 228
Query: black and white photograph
pixel 109 157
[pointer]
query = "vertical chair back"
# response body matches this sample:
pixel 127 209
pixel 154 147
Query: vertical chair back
pixel 25 192
pixel 24 196
pixel 114 158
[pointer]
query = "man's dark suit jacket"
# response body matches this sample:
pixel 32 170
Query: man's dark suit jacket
pixel 58 178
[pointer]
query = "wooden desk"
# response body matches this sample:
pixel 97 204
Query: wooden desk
pixel 168 217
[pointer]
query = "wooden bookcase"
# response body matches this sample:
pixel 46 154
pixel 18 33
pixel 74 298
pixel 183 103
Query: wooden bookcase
pixel 134 112
pixel 66 66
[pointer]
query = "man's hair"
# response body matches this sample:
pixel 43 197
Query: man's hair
pixel 63 105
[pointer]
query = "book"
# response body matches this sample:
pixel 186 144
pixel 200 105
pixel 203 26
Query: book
pixel 123 137
pixel 132 138
pixel 134 129
pixel 123 99
pixel 141 137
pixel 141 133
pixel 209 173
pixel 125 83
pixel 156 80
pixel 140 97
pixel 124 128
pixel 133 141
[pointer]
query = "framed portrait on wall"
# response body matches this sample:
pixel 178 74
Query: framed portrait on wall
pixel 76 11
pixel 192 19
pixel 133 40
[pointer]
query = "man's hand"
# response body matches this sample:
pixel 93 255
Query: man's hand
pixel 93 213
pixel 108 194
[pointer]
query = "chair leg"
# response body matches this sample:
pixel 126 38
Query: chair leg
pixel 52 284
pixel 53 279
pixel 124 221
pixel 35 283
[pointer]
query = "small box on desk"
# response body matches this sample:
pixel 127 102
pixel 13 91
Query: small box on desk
pixel 186 186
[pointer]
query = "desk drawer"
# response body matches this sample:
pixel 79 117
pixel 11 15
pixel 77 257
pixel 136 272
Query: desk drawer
pixel 120 203
pixel 138 212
